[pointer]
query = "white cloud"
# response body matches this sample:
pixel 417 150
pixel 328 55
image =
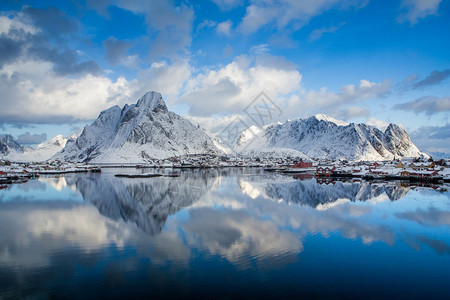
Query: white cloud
pixel 228 4
pixel 288 12
pixel 224 28
pixel 17 23
pixel 418 9
pixel 318 33
pixel 213 123
pixel 33 93
pixel 324 101
pixel 206 23
pixel 429 105
pixel 351 112
pixel 164 77
pixel 231 88
pixel 237 237
pixel 380 124
pixel 62 225
pixel 217 97
pixel 432 138
pixel 259 49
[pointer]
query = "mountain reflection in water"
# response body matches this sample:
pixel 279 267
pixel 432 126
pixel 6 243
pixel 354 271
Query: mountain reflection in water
pixel 310 192
pixel 145 202
pixel 272 234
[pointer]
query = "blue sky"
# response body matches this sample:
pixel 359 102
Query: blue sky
pixel 62 62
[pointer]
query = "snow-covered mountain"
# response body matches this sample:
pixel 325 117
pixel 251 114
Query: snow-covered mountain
pixel 45 150
pixel 324 137
pixel 137 133
pixel 10 149
pixel 9 146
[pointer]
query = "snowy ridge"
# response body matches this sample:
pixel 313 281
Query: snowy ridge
pixel 323 137
pixel 11 150
pixel 9 146
pixel 138 133
pixel 322 117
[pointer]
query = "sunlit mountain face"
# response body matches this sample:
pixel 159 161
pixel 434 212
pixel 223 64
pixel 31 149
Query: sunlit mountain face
pixel 258 228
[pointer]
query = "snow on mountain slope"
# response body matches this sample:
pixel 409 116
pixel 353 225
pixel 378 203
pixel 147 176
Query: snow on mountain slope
pixel 322 117
pixel 44 151
pixel 9 146
pixel 324 137
pixel 137 133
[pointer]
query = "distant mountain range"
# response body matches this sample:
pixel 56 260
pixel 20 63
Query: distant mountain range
pixel 10 149
pixel 324 137
pixel 147 130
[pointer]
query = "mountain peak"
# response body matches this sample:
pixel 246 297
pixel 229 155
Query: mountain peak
pixel 152 100
pixel 309 137
pixel 138 133
pixel 323 117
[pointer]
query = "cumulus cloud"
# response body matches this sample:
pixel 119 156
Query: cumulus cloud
pixel 225 28
pixel 289 13
pixel 231 88
pixel 428 105
pixel 413 10
pixel 33 33
pixel 216 97
pixel 213 123
pixel 165 77
pixel 34 77
pixel 33 94
pixel 325 101
pixel 29 139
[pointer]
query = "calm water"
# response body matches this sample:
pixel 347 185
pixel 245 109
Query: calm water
pixel 230 233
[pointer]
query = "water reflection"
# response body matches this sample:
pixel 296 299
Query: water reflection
pixel 147 203
pixel 320 196
pixel 167 232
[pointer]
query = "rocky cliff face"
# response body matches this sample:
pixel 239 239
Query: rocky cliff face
pixel 137 133
pixel 323 137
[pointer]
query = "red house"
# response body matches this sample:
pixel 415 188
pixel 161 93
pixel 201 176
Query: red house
pixel 324 171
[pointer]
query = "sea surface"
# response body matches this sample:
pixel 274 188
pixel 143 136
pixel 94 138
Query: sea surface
pixel 233 233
